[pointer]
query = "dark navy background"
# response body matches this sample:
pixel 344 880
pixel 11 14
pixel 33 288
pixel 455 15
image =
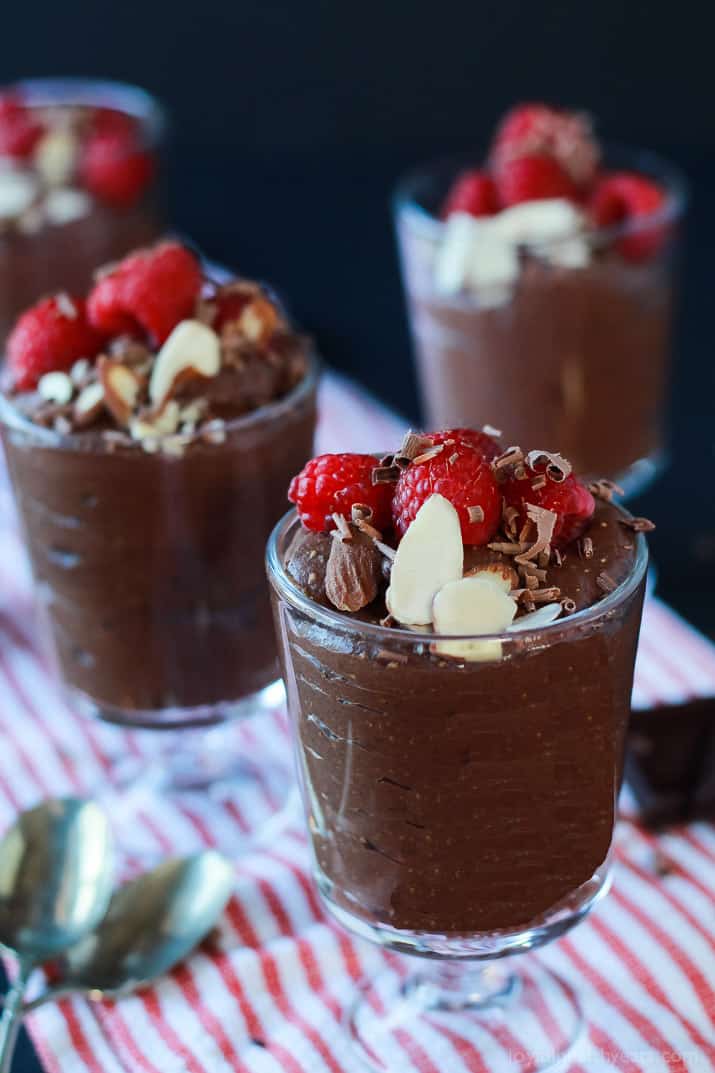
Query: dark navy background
pixel 292 120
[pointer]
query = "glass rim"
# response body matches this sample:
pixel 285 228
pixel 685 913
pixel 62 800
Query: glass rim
pixel 671 176
pixel 289 591
pixel 12 419
pixel 93 92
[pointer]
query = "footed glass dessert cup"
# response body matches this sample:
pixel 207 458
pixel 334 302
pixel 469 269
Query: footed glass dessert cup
pixel 150 581
pixel 593 311
pixel 460 812
pixel 80 184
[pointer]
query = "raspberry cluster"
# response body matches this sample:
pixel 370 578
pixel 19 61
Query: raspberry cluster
pixel 113 164
pixel 542 152
pixel 454 463
pixel 144 296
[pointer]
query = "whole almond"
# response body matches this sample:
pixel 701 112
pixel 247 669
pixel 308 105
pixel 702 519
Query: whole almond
pixel 259 320
pixel 353 573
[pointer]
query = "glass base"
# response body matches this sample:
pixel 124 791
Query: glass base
pixel 177 718
pixel 482 1017
pixel 202 780
pixel 478 946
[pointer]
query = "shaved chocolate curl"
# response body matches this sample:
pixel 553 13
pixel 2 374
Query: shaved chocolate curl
pixel 605 582
pixel 413 445
pixel 386 474
pixel 545 522
pixel 557 467
pixel 638 525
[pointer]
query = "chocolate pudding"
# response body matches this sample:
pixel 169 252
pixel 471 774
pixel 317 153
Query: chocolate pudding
pixel 598 340
pixel 146 518
pixel 546 309
pixel 78 185
pixel 461 788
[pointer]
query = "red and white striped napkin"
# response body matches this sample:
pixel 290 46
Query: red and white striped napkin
pixel 269 992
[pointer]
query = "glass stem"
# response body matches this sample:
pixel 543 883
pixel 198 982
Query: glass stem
pixel 461 984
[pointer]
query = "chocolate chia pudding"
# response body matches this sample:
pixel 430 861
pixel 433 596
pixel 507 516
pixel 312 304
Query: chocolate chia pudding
pixel 78 184
pixel 540 296
pixel 149 464
pixel 460 686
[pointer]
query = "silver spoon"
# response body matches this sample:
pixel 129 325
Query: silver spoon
pixel 152 923
pixel 56 867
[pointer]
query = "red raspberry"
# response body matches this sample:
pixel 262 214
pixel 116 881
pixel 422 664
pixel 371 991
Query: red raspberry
pixel 539 129
pixel 533 178
pixel 462 475
pixel 570 500
pixel 625 197
pixel 19 129
pixel 49 338
pixel 481 441
pixel 474 192
pixel 115 168
pixel 152 289
pixel 112 121
pixel 332 484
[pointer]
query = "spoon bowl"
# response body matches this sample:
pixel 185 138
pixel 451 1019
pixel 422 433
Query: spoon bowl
pixel 55 877
pixel 56 866
pixel 153 922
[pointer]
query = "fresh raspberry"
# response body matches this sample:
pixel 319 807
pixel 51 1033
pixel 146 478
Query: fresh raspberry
pixel 533 178
pixel 114 167
pixel 462 475
pixel 472 191
pixel 331 484
pixel 627 198
pixel 50 337
pixel 481 441
pixel 570 500
pixel 539 129
pixel 20 131
pixel 152 290
pixel 112 121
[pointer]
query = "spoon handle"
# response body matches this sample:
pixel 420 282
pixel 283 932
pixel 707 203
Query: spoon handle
pixel 12 1016
pixel 51 994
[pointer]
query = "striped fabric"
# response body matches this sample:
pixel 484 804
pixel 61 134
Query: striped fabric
pixel 268 992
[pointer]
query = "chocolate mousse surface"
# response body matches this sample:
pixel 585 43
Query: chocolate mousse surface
pixel 457 796
pixel 146 517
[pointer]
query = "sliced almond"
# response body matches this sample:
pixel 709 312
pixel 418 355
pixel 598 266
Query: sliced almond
pixel 429 555
pixel 121 388
pixel 500 574
pixel 89 404
pixel 80 371
pixel 192 349
pixel 153 428
pixel 56 387
pixel 18 190
pixel 259 320
pixel 65 204
pixel 545 615
pixel 55 157
pixel 472 606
